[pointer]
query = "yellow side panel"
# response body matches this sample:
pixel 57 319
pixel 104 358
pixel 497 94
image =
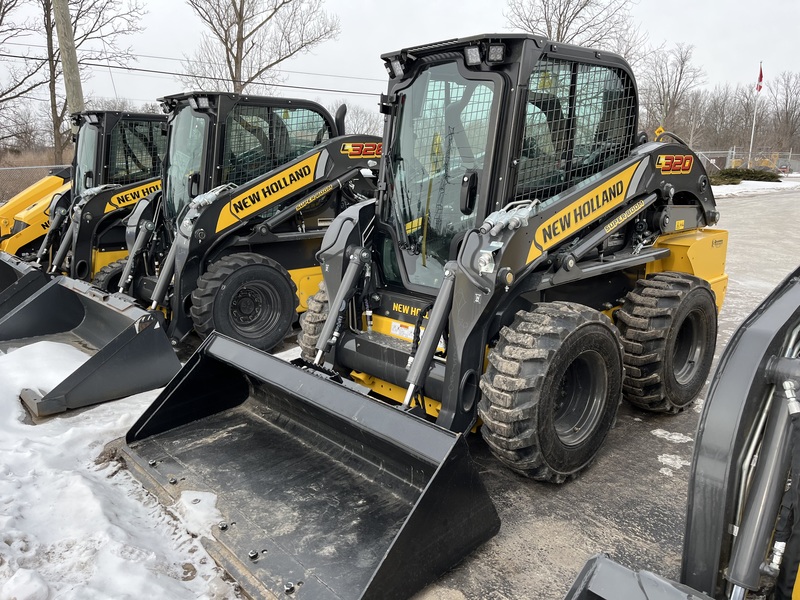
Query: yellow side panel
pixel 307 281
pixel 699 252
pixel 44 187
pixel 35 215
pixel 101 259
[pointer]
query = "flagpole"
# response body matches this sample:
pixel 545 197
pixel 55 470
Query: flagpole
pixel 752 132
pixel 755 112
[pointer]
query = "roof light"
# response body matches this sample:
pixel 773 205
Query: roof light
pixel 497 53
pixel 472 54
pixel 397 67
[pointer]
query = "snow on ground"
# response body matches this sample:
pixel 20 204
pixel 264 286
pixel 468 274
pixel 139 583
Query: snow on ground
pixel 750 188
pixel 75 527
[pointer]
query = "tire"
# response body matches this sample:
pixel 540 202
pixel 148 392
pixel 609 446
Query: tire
pixel 540 417
pixel 246 296
pixel 669 331
pixel 107 278
pixel 311 323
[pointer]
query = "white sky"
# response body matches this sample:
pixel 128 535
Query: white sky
pixel 730 38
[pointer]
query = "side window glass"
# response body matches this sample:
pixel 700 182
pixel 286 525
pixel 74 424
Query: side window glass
pixel 573 132
pixel 603 120
pixel 137 149
pixel 260 138
pixel 543 159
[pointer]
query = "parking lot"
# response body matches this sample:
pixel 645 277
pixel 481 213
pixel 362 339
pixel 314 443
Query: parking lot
pixel 631 501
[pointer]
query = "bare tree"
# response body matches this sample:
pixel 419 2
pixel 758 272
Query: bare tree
pixel 784 104
pixel 594 23
pixel 23 73
pixel 248 39
pixel 668 79
pixel 99 26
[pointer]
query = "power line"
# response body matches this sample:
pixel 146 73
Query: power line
pixel 203 77
pixel 207 62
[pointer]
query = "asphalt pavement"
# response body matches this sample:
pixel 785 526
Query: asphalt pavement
pixel 631 501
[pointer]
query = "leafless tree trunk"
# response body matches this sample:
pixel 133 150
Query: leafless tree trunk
pixel 248 39
pixel 101 21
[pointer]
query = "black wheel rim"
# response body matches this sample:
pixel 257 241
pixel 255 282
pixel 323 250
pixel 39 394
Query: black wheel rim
pixel 255 309
pixel 688 348
pixel 581 398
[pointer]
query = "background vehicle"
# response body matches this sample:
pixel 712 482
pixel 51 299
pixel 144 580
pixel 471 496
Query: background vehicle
pixel 511 221
pixel 119 152
pixel 44 188
pixel 741 537
pixel 250 184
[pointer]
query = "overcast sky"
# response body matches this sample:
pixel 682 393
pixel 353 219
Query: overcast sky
pixel 730 38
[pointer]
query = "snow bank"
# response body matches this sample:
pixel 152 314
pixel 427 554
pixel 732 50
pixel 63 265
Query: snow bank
pixel 751 188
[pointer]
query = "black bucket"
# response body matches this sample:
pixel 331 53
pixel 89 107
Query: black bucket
pixel 130 352
pixel 18 281
pixel 323 490
pixel 603 579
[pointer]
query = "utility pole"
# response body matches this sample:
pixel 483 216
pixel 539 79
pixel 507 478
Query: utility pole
pixel 69 57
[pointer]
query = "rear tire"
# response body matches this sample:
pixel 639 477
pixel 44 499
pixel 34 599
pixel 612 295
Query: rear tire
pixel 246 296
pixel 311 323
pixel 107 278
pixel 669 331
pixel 551 391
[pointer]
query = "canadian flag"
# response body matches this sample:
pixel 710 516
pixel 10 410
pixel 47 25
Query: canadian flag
pixel 760 83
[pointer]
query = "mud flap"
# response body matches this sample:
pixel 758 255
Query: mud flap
pixel 130 352
pixel 18 281
pixel 325 492
pixel 603 579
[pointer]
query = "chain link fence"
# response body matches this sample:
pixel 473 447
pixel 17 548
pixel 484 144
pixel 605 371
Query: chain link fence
pixel 780 162
pixel 15 179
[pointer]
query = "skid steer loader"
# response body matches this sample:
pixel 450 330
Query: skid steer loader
pixel 518 213
pixel 742 536
pixel 45 187
pixel 118 156
pixel 250 184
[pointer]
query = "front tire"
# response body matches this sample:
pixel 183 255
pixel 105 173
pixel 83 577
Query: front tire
pixel 107 278
pixel 551 391
pixel 311 323
pixel 246 296
pixel 669 331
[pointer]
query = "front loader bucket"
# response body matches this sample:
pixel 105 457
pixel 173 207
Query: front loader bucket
pixel 316 482
pixel 130 353
pixel 18 281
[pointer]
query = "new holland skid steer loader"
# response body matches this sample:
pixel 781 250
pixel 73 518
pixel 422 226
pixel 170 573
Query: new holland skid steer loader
pixel 118 155
pixel 519 217
pixel 44 188
pixel 742 537
pixel 250 185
